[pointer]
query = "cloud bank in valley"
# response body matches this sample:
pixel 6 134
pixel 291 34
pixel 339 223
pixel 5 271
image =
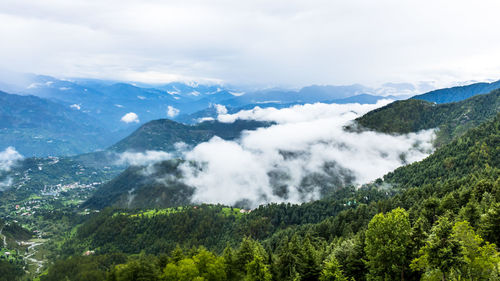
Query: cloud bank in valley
pixel 8 158
pixel 305 155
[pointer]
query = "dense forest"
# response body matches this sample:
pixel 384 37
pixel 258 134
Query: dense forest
pixel 163 134
pixel 452 119
pixel 437 219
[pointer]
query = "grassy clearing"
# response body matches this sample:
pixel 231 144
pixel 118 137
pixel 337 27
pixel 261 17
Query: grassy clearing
pixel 167 211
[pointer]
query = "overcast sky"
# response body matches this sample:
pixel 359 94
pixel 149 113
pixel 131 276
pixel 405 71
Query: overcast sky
pixel 262 42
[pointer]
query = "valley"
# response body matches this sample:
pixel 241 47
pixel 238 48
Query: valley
pixel 147 140
pixel 132 208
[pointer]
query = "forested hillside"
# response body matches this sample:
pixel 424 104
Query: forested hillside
pixel 39 127
pixel 163 134
pixel 452 119
pixel 156 186
pixel 11 266
pixel 437 219
pixel 458 93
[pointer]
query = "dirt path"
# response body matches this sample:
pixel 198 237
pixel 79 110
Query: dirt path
pixel 31 252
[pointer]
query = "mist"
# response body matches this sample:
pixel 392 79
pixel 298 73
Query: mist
pixel 8 159
pixel 306 155
pixel 146 158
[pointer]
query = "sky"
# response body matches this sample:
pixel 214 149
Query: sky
pixel 260 42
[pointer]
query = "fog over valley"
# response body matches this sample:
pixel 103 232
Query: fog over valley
pixel 236 140
pixel 305 155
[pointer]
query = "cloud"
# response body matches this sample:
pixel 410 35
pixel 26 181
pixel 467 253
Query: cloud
pixel 203 119
pixel 8 158
pixel 130 117
pixel 172 111
pixel 5 184
pixel 303 113
pixel 142 158
pixel 221 109
pixel 298 42
pixel 75 106
pixel 305 155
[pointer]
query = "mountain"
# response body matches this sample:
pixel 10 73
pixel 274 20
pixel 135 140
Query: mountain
pixel 452 119
pixel 214 110
pixel 475 152
pixel 156 186
pixel 308 94
pixel 39 127
pixel 447 211
pixel 459 93
pixel 163 134
pixel 33 175
pixel 442 210
pixel 10 235
pixel 106 103
pixel 109 101
pixel 160 185
pixel 362 99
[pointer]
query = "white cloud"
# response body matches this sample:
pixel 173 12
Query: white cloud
pixel 303 113
pixel 221 109
pixel 307 144
pixel 75 106
pixel 8 158
pixel 203 119
pixel 142 158
pixel 130 117
pixel 172 111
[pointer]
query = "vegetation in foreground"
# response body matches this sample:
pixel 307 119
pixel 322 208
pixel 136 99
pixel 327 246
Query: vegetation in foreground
pixel 438 220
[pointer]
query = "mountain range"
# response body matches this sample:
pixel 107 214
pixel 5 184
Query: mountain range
pixel 437 217
pixel 40 127
pixel 112 110
pixel 96 217
pixel 458 93
pixel 452 119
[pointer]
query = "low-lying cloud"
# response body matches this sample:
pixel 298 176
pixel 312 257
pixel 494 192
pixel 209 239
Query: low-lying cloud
pixel 8 158
pixel 172 111
pixel 146 158
pixel 221 109
pixel 304 156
